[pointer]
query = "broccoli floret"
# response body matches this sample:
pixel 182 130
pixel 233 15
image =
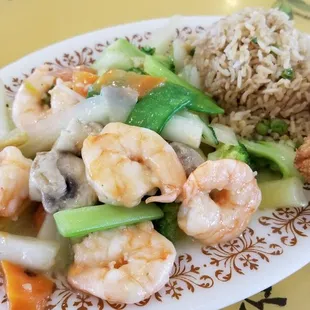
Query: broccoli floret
pixel 276 156
pixel 168 225
pixel 225 151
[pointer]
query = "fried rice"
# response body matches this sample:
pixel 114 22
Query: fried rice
pixel 241 59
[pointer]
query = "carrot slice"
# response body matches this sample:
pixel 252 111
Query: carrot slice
pixel 141 83
pixel 25 289
pixel 39 217
pixel 82 80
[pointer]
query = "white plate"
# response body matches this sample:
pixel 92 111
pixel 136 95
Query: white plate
pixel 274 246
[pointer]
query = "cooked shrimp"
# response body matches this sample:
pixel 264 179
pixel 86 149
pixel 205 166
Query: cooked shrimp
pixel 219 199
pixel 125 163
pixel 28 106
pixel 14 176
pixel 125 265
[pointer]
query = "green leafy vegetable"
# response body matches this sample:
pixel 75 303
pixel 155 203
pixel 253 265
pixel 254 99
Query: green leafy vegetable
pixel 168 225
pixel 82 221
pixel 202 102
pixel 118 55
pixel 288 74
pixel 225 151
pixel 278 126
pixel 156 108
pixel 148 50
pixel 280 155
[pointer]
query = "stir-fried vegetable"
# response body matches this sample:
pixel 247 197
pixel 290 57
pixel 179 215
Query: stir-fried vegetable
pixel 168 225
pixel 113 105
pixel 82 80
pixel 155 109
pixel 124 52
pixel 202 103
pixel 266 175
pixel 123 55
pixel 191 75
pixel 282 193
pixel 48 231
pixel 225 134
pixel 226 151
pixel 208 133
pixel 28 252
pixel 26 289
pixel 120 78
pixel 162 37
pixel 282 156
pixel 82 221
pixel 118 55
pixel 184 130
pixel 179 54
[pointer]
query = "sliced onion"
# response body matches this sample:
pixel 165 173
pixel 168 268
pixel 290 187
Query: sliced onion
pixel 191 75
pixel 49 231
pixel 184 130
pixel 179 54
pixel 28 251
pixel 225 134
pixel 163 37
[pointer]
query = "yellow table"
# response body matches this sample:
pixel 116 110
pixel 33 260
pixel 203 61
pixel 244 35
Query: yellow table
pixel 27 25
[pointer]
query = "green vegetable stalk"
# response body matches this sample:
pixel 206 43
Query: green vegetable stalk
pixel 202 102
pixel 156 108
pixel 282 193
pixel 279 155
pixel 82 221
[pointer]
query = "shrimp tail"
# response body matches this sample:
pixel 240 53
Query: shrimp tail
pixel 168 198
pixel 190 189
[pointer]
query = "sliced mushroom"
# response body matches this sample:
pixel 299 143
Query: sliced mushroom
pixel 189 157
pixel 71 139
pixel 58 180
